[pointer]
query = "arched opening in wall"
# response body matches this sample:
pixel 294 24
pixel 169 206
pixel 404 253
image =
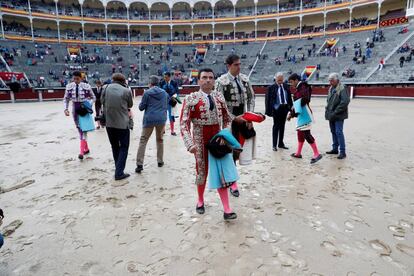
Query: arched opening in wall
pixel 95 32
pixel 16 25
pixel 140 33
pixel 391 9
pixel 266 28
pixel 93 8
pixel 181 10
pixel 45 28
pixel 333 2
pixel 116 10
pixel 289 26
pixel 203 10
pixel 69 8
pixel 224 31
pixel 337 21
pixel 160 11
pixel 310 4
pixel 138 11
pixel 244 8
pixel 47 6
pixel 203 32
pixel 223 8
pixel 70 30
pixel 117 32
pixel 16 5
pixel 312 24
pixel 160 33
pixel 288 5
pixel 245 30
pixel 181 33
pixel 266 7
pixel 364 15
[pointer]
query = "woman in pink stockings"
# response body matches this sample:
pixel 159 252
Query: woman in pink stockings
pixel 303 91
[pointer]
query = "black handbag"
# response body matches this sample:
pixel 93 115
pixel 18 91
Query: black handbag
pixel 173 102
pixel 218 150
pixel 102 118
pixel 247 133
pixel 83 108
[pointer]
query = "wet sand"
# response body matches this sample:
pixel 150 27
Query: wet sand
pixel 67 217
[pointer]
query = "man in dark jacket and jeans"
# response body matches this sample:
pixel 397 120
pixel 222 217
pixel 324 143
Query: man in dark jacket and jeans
pixel 116 101
pixel 171 87
pixel 155 104
pixel 336 112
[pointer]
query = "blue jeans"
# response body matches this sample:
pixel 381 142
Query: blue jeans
pixel 338 138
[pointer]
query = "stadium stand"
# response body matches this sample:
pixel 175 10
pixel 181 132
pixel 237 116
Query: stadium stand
pixel 290 36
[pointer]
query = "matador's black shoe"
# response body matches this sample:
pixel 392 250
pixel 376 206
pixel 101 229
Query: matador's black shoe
pixel 229 216
pixel 234 193
pixel 200 209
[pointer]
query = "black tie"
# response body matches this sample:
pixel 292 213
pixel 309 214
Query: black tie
pixel 77 91
pixel 238 85
pixel 282 95
pixel 211 102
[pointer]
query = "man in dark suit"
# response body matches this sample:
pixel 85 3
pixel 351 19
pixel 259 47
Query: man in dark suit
pixel 278 102
pixel 171 87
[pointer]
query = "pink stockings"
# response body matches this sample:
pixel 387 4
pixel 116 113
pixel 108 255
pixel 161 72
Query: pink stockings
pixel 224 196
pixel 223 193
pixel 172 127
pixel 234 187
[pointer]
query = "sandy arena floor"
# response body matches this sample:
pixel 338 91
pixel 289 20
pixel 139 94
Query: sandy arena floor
pixel 66 217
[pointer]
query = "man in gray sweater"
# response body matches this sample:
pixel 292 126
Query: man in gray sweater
pixel 336 112
pixel 117 101
pixel 155 104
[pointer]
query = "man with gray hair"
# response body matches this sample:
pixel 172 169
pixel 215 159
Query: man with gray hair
pixel 155 104
pixel 117 101
pixel 278 102
pixel 336 112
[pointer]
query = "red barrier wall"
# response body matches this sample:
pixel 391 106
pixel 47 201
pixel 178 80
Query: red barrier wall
pixel 359 91
pixel 57 94
pixel 385 91
pixel 26 94
pixel 4 96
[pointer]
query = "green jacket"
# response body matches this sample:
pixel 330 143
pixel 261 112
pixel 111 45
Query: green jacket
pixel 337 103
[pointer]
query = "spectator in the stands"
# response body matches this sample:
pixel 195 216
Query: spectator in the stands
pixel 381 64
pixel 403 30
pixel 402 59
pixel 368 52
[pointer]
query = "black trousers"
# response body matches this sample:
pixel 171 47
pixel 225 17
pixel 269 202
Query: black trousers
pixel 119 139
pixel 279 121
pixel 238 110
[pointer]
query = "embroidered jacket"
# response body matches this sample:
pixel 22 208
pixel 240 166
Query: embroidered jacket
pixel 84 93
pixel 196 110
pixel 227 85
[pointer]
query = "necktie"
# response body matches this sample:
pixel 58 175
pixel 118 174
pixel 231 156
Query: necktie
pixel 282 94
pixel 238 85
pixel 77 91
pixel 211 102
